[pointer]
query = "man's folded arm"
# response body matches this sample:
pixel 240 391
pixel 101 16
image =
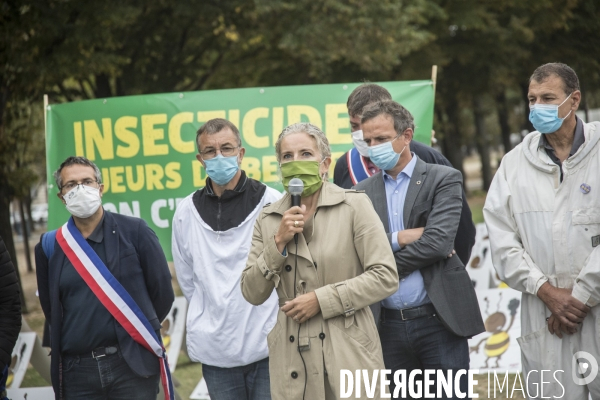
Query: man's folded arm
pixel 437 240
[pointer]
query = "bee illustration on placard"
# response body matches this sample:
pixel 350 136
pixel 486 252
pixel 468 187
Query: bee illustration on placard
pixel 497 344
pixel 167 328
pixel 15 363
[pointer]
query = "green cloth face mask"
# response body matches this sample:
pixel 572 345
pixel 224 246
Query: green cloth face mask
pixel 306 171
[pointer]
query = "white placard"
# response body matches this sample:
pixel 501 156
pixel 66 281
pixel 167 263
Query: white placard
pixel 497 349
pixel 495 281
pixel 19 360
pixel 173 330
pixel 200 392
pixel 478 269
pixel 37 393
pixel 480 266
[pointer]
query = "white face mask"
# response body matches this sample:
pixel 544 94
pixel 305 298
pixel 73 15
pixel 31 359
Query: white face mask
pixel 83 201
pixel 359 143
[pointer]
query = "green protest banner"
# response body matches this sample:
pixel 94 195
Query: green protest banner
pixel 145 145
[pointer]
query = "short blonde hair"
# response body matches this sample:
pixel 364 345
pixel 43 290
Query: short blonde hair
pixel 309 129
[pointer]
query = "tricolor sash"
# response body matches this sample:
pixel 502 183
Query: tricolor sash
pixel 113 296
pixel 357 167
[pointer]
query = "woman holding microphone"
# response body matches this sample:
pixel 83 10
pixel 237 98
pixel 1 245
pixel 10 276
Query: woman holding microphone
pixel 341 264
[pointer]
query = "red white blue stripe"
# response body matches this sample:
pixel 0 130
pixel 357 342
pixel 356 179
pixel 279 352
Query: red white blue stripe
pixel 113 296
pixel 357 166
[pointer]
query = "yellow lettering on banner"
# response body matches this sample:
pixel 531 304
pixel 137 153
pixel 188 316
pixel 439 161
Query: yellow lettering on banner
pixel 204 116
pixel 334 123
pixel 102 140
pixel 295 114
pixel 105 180
pixel 154 173
pixel 128 137
pixel 121 179
pixel 277 123
pixel 78 139
pixel 269 167
pixel 152 134
pixel 175 132
pixel 198 174
pixel 116 177
pixel 249 128
pixel 234 117
pixel 135 186
pixel 252 167
pixel 172 172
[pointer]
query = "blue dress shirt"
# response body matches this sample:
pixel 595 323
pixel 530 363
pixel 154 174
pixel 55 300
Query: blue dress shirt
pixel 411 291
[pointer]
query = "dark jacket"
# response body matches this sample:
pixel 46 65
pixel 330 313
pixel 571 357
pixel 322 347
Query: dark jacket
pixel 465 237
pixel 10 307
pixel 137 261
pixel 433 202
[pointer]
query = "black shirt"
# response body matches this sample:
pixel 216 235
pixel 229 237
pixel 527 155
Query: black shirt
pixel 233 207
pixel 578 139
pixel 87 324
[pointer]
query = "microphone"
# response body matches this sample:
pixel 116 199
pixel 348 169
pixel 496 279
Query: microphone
pixel 295 188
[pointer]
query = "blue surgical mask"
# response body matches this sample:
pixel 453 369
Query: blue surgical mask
pixel 544 117
pixel 384 156
pixel 222 169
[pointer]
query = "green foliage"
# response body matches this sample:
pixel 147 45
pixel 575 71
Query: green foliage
pixel 22 149
pixel 330 37
pixel 76 49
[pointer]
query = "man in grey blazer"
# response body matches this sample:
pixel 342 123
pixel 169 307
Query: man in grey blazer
pixel 426 323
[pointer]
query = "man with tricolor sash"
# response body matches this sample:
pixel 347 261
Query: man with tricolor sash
pixel 356 165
pixel 104 286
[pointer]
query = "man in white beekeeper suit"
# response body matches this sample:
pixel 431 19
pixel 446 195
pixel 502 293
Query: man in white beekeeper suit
pixel 543 216
pixel 212 233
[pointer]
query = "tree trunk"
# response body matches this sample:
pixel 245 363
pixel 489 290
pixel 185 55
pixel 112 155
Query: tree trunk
pixel 584 102
pixel 451 143
pixel 25 225
pixel 103 88
pixel 482 141
pixel 502 110
pixel 526 124
pixel 451 149
pixel 6 234
pixel 27 203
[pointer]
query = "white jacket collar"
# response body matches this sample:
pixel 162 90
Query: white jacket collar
pixel 539 159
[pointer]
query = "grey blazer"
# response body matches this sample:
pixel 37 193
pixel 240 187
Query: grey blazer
pixel 433 201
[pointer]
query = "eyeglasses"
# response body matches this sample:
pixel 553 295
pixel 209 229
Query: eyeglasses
pixel 226 151
pixel 72 184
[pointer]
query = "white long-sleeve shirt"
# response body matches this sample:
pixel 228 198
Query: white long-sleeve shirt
pixel 223 329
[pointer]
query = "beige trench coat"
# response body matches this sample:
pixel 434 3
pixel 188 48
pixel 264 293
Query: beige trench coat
pixel 345 258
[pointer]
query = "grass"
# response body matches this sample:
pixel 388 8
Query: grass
pixel 187 375
pixel 33 379
pixel 476 200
